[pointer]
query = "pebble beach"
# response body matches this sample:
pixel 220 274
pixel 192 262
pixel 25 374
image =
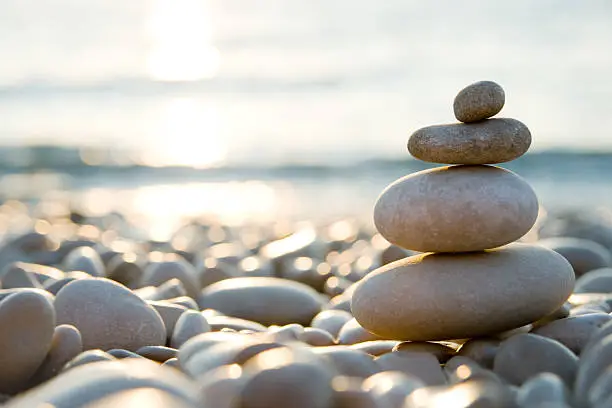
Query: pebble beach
pixel 463 292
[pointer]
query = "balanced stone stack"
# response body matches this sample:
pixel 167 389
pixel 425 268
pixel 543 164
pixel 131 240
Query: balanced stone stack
pixel 470 282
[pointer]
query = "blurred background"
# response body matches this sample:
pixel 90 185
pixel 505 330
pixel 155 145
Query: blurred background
pixel 270 109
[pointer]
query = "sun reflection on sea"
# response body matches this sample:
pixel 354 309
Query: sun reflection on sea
pixel 181 33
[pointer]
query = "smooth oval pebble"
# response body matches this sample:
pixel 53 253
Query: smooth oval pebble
pixel 169 313
pixel 574 332
pixel 544 388
pixel 584 255
pixel 142 397
pixel 27 319
pixel 263 300
pixel 478 101
pixel 347 362
pixel 284 377
pixel 190 324
pixel 348 393
pixel 474 393
pixel 91 382
pixel 375 347
pixel 421 365
pixel 404 299
pixel 157 353
pixel 593 362
pixel 352 332
pixel 392 387
pixel 331 321
pixel 481 350
pixel 456 209
pixel 109 315
pixel 88 357
pixel 526 355
pixel 156 273
pixel 217 323
pixel 441 351
pixel 600 394
pixel 316 337
pixel 66 344
pixel 84 259
pixel 487 142
pixel 221 387
pixel 595 281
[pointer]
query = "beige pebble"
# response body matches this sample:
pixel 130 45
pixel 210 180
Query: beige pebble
pixel 456 361
pixel 488 142
pixel 347 362
pixel 352 332
pixel 316 337
pixel 287 333
pixel 284 377
pixel 471 372
pixel 375 347
pixel 169 313
pixel 125 322
pixel 595 281
pixel 481 350
pixel 84 259
pixel 66 344
pixel 222 386
pixel 474 393
pixel 421 365
pixel 584 255
pixel 490 207
pixel 83 385
pixel 574 332
pixel 157 353
pixel 536 354
pixel 190 324
pixel 218 323
pixel 141 397
pixel 27 319
pixel 392 387
pixel 174 267
pixel 594 360
pixel 451 293
pixel 579 299
pixel 331 321
pixel 263 300
pixel 544 388
pixel 479 101
pixel 441 351
pixel 88 357
pixel 349 394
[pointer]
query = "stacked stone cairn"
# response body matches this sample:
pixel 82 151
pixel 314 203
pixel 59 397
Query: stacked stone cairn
pixel 472 279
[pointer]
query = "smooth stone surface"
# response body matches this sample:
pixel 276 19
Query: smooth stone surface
pixel 84 385
pixel 526 355
pixel 142 397
pixel 375 347
pixel 88 357
pixel 442 296
pixel 600 394
pixel 125 269
pixel 456 209
pixel 574 332
pixel 604 331
pixel 347 362
pixel 421 365
pixel 190 324
pixel 263 300
pixel 481 350
pixel 487 142
pixel 157 273
pixel 479 101
pixel 595 281
pixel 218 323
pixel 331 321
pixel 15 276
pixel 349 394
pixel 27 321
pixel 593 363
pixel 157 353
pixel 544 388
pixel 316 337
pixel 203 341
pixel 169 313
pixel 284 377
pixel 66 344
pixel 109 315
pixel 392 387
pixel 121 354
pixel 221 387
pixel 352 332
pixel 474 393
pixel 84 259
pixel 441 351
pixel 584 255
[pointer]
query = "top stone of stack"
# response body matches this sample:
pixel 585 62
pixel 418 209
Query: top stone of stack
pixel 479 140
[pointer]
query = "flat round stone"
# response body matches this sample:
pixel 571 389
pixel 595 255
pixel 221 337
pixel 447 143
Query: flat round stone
pixel 456 209
pixel 487 142
pixel 479 101
pixel 454 296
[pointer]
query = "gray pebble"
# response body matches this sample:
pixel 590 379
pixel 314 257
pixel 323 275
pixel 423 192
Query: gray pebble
pixel 478 101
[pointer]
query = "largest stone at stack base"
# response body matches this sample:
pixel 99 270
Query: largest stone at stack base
pixel 455 296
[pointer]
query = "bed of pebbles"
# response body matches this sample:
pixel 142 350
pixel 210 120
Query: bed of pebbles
pixel 94 314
